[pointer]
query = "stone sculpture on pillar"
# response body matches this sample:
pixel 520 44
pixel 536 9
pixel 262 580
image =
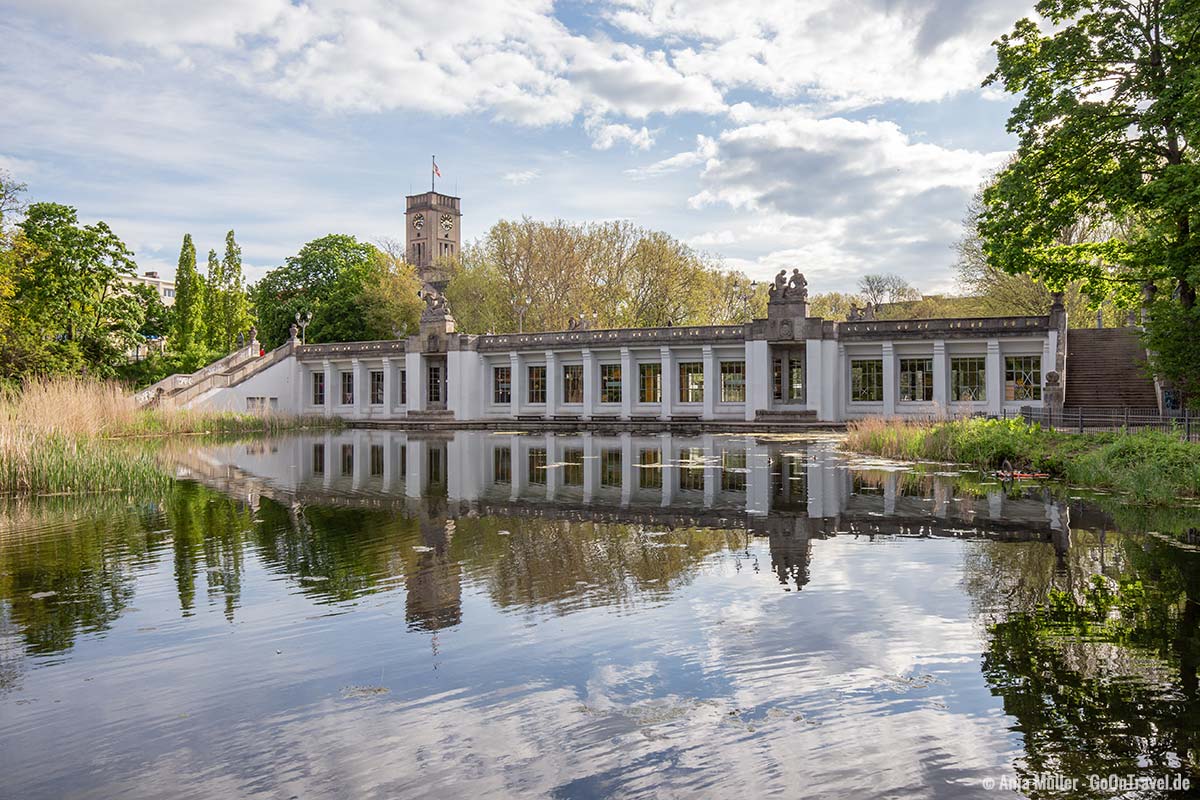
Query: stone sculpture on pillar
pixel 787 297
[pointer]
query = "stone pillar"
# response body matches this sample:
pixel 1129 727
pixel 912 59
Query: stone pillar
pixel 414 468
pixel 415 374
pixel 994 378
pixel 362 379
pixel 667 383
pixel 362 460
pixel 389 386
pixel 589 385
pixel 710 382
pixel 331 387
pixel 628 385
pixel 515 384
pixel 758 481
pixel 518 467
pixel 889 380
pixel 553 380
pixel 302 388
pixel 941 378
pixel 758 378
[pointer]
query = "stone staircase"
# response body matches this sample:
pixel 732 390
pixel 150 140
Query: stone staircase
pixel 180 390
pixel 1106 369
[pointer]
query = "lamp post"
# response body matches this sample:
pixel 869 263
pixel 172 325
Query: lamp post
pixel 521 309
pixel 302 319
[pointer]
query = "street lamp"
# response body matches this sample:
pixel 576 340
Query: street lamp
pixel 521 309
pixel 302 319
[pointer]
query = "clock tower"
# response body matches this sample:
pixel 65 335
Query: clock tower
pixel 431 235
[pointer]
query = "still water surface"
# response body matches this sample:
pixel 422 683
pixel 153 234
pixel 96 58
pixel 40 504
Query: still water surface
pixel 380 614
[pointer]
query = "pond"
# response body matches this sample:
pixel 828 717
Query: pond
pixel 388 614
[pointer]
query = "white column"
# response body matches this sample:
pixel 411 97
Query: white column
pixel 758 481
pixel 300 401
pixel 941 378
pixel 758 378
pixel 589 385
pixel 1047 363
pixel 553 379
pixel 628 385
pixel 515 384
pixel 994 378
pixel 389 385
pixel 889 380
pixel 362 460
pixel 361 387
pixel 518 467
pixel 414 467
pixel 331 387
pixel 667 383
pixel 416 378
pixel 330 461
pixel 710 382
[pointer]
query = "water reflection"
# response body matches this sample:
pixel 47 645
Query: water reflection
pixel 386 614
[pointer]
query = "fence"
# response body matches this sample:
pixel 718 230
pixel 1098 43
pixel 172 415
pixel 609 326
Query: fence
pixel 1096 420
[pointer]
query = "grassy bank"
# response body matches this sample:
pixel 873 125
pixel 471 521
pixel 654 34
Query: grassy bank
pixel 1151 467
pixel 75 435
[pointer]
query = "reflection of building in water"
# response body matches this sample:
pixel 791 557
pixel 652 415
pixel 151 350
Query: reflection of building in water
pixel 434 583
pixel 791 493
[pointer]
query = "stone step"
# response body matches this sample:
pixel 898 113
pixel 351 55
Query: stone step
pixel 785 415
pixel 1106 368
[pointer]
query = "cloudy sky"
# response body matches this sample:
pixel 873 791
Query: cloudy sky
pixel 840 136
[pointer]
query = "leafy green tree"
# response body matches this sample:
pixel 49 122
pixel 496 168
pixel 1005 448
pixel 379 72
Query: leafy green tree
pixel 71 292
pixel 213 305
pixel 1107 119
pixel 234 306
pixel 188 328
pixel 354 292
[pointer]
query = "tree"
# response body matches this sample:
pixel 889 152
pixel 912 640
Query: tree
pixel 390 298
pixel 213 305
pixel 328 278
pixel 613 274
pixel 234 306
pixel 1107 118
pixel 70 302
pixel 876 289
pixel 188 329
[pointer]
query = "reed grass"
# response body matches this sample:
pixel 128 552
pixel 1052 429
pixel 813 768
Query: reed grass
pixel 78 435
pixel 1148 466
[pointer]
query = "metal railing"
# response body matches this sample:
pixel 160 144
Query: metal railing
pixel 1100 420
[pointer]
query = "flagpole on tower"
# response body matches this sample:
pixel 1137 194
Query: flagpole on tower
pixel 432 173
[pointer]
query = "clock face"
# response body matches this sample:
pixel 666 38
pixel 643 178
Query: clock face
pixel 419 221
pixel 447 222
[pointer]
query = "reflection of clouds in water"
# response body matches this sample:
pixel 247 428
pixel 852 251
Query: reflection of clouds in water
pixel 727 686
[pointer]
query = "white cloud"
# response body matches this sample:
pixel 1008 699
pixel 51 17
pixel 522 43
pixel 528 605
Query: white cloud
pixel 840 198
pixel 845 52
pixel 706 148
pixel 604 136
pixel 523 177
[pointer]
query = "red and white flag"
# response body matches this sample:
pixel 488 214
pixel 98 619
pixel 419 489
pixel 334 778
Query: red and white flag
pixel 437 172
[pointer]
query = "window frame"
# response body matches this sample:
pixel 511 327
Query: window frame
pixel 502 386
pixel 610 386
pixel 855 389
pixel 686 370
pixel 373 385
pixel 572 378
pixel 535 375
pixel 1015 392
pixel 347 394
pixel 653 371
pixel 732 391
pixel 956 385
pixel 318 388
pixel 925 373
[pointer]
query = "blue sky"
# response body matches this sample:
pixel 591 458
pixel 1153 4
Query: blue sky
pixel 842 137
